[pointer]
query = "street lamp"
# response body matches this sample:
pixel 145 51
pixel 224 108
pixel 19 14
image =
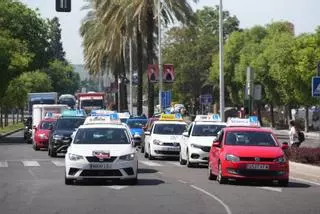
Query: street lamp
pixel 159 54
pixel 221 82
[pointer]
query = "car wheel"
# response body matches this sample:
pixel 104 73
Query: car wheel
pixel 283 183
pixel 35 147
pixel 210 175
pixel 149 155
pixel 189 164
pixel 220 178
pixel 52 153
pixel 132 181
pixel 181 161
pixel 142 149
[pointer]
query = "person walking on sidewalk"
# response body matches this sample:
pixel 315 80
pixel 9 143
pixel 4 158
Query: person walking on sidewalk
pixel 293 135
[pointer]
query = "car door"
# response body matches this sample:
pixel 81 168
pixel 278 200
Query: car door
pixel 148 138
pixel 215 153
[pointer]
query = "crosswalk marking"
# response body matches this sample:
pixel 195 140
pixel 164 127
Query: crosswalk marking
pixel 150 163
pixel 30 163
pixel 3 164
pixel 58 163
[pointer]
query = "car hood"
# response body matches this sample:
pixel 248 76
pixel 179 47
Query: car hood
pixel 136 130
pixel 254 151
pixel 64 133
pixel 167 138
pixel 42 131
pixel 202 140
pixel 87 149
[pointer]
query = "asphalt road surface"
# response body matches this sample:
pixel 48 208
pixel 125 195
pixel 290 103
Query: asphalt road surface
pixel 31 182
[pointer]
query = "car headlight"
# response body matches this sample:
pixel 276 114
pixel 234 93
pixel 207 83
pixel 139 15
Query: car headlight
pixel 42 136
pixel 156 142
pixel 232 158
pixel 57 137
pixel 281 159
pixel 74 157
pixel 136 135
pixel 128 157
pixel 195 146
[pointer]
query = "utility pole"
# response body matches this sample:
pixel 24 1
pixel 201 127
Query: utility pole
pixel 130 73
pixel 159 54
pixel 221 85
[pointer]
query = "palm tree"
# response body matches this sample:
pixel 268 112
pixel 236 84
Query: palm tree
pixel 109 24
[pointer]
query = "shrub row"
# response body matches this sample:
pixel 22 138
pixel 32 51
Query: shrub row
pixel 305 155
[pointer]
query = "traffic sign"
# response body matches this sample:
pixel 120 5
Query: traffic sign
pixel 63 5
pixel 316 86
pixel 205 99
pixel 165 99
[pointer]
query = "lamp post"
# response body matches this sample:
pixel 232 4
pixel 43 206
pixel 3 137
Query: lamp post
pixel 159 54
pixel 221 82
pixel 130 73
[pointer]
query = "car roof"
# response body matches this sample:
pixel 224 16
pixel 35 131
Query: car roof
pixel 138 119
pixel 169 122
pixel 209 122
pixel 252 129
pixel 103 126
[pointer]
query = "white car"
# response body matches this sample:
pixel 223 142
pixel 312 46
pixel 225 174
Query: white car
pixel 164 139
pixel 103 151
pixel 197 141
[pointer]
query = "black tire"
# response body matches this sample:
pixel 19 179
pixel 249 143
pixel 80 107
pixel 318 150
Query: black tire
pixel 29 141
pixel 210 175
pixel 68 181
pixel 189 164
pixel 34 146
pixel 181 161
pixel 220 178
pixel 52 153
pixel 283 183
pixel 149 155
pixel 142 149
pixel 133 181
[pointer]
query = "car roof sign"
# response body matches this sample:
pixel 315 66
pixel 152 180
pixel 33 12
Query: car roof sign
pixel 52 115
pixel 251 121
pixel 73 113
pixel 103 119
pixel 171 117
pixel 209 118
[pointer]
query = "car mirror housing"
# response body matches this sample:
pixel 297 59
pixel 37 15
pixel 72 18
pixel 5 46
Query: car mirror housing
pixel 285 145
pixel 185 134
pixel 216 144
pixel 147 133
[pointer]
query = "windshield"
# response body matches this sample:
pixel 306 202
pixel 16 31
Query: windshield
pixel 169 129
pixel 88 103
pixel 69 123
pixel 136 123
pixel 45 125
pixel 250 139
pixel 206 130
pixel 67 101
pixel 102 136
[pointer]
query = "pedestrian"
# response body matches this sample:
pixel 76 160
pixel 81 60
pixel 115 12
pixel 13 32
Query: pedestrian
pixel 293 135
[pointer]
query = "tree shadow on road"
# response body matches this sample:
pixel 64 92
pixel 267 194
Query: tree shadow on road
pixel 12 140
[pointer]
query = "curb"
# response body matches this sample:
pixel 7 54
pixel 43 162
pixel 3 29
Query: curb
pixel 309 166
pixel 10 133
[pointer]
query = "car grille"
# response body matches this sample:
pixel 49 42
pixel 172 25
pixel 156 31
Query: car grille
pixel 128 170
pixel 245 172
pixel 113 172
pixel 170 144
pixel 206 148
pixel 167 152
pixel 73 171
pixel 95 159
pixel 253 159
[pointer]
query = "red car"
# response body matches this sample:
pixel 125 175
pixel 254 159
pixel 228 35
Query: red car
pixel 248 153
pixel 41 133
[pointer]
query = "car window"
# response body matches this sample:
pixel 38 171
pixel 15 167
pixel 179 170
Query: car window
pixel 206 129
pixel 247 138
pixel 69 123
pixel 45 125
pixel 102 136
pixel 190 128
pixel 169 129
pixel 136 123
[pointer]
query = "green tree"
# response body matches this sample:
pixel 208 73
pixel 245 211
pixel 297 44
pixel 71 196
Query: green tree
pixel 55 50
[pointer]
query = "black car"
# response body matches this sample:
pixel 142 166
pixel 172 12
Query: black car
pixel 60 134
pixel 27 130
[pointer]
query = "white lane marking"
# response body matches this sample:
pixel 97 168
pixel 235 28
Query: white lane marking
pixel 214 197
pixel 150 163
pixel 3 164
pixel 304 180
pixel 181 181
pixel 274 189
pixel 58 163
pixel 174 163
pixel 30 163
pixel 116 187
pixel 161 173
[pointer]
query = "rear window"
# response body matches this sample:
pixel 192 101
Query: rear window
pixel 102 136
pixel 247 138
pixel 45 125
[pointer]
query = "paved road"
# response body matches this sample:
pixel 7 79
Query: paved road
pixel 31 182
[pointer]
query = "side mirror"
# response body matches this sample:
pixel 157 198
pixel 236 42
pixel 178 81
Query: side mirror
pixel 216 144
pixel 144 128
pixel 147 133
pixel 285 145
pixel 185 134
pixel 34 127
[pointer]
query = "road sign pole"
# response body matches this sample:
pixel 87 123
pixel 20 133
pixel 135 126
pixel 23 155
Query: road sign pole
pixel 159 52
pixel 221 85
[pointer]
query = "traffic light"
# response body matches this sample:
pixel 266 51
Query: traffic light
pixel 63 5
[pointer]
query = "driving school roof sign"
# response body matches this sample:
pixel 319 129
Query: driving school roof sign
pixel 246 122
pixel 171 117
pixel 209 117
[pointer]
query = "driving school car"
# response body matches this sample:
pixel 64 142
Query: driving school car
pixel 102 148
pixel 197 141
pixel 245 151
pixel 164 138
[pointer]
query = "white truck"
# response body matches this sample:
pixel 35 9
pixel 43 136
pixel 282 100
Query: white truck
pixel 41 98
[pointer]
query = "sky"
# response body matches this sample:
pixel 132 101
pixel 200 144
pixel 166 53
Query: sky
pixel 304 14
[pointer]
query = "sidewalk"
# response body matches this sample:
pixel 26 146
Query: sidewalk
pixel 314 135
pixel 305 171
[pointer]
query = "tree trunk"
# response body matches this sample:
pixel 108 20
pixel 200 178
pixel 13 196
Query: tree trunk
pixel 259 112
pixel 123 86
pixel 116 78
pixel 140 72
pixel 306 119
pixel 22 114
pixel 6 118
pixel 13 111
pixel 1 117
pixel 272 116
pixel 18 114
pixel 150 24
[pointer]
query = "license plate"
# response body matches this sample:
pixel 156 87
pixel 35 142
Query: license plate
pixel 172 149
pixel 258 166
pixel 100 166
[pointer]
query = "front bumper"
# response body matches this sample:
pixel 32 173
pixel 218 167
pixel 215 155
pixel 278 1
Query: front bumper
pixel 61 145
pixel 41 143
pixel 239 170
pixel 199 155
pixel 165 151
pixel 112 168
